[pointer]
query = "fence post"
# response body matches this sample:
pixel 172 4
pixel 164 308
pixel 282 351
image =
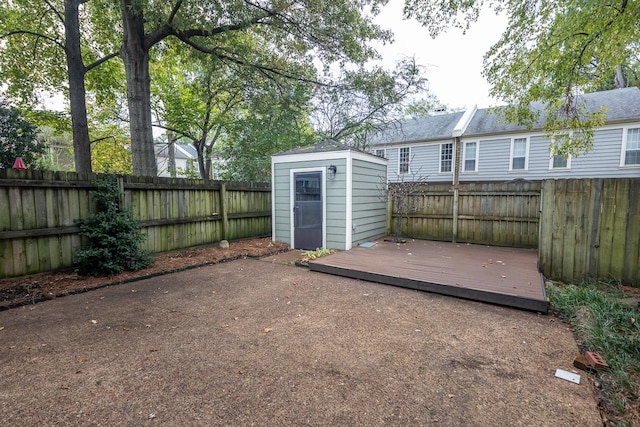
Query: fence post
pixel 455 214
pixel 389 214
pixel 121 200
pixel 223 210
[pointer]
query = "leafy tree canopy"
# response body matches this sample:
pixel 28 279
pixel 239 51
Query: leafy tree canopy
pixel 18 138
pixel 552 51
pixel 366 100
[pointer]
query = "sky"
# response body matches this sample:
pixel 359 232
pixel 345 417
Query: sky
pixel 453 61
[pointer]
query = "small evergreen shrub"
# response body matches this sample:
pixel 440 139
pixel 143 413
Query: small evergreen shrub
pixel 114 237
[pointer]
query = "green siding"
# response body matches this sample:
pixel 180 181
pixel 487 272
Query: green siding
pixel 369 205
pixel 335 200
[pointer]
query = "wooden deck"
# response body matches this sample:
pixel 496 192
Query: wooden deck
pixel 498 275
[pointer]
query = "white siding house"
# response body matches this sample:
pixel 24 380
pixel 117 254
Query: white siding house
pixel 185 156
pixel 491 150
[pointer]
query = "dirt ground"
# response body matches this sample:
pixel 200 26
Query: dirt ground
pixel 263 342
pixel 38 287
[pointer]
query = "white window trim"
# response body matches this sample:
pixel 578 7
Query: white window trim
pixel 384 152
pixel 400 158
pixel 452 157
pixel 623 150
pixel 464 156
pixel 566 168
pixel 526 155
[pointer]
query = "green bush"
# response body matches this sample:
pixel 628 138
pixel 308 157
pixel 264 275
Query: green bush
pixel 113 236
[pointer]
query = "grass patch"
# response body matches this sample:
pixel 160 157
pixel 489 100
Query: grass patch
pixel 603 323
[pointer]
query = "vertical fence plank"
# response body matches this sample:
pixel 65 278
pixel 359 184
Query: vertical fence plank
pixel 546 227
pixel 620 215
pixel 631 269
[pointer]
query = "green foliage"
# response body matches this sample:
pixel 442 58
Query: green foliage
pixel 365 101
pixel 110 155
pixel 551 52
pixel 18 138
pixel 605 325
pixel 236 113
pixel 311 255
pixel 113 236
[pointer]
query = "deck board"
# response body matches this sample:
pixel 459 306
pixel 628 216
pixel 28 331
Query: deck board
pixel 498 275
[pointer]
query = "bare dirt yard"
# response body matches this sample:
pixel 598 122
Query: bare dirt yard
pixel 263 342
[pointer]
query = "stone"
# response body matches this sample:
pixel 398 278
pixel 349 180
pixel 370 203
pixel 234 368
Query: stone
pixel 224 244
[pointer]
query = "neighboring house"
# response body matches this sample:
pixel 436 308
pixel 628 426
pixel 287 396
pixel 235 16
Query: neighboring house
pixel 186 162
pixel 185 156
pixel 491 150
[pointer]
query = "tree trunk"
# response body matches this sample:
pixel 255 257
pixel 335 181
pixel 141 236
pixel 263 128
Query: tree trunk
pixel 77 92
pixel 171 150
pixel 136 65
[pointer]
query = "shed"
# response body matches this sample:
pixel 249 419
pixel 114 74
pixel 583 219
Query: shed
pixel 327 195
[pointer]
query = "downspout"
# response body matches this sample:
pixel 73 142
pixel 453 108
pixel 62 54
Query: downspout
pixel 456 182
pixel 458 131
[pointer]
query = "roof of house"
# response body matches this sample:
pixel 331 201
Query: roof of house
pixel 321 147
pixel 423 129
pixel 182 151
pixel 620 104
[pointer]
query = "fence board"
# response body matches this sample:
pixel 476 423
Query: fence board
pixel 503 214
pixel 38 213
pixel 593 230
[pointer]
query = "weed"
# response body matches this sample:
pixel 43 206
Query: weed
pixel 605 325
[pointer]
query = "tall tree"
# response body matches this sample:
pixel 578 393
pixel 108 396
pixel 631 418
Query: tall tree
pixel 46 53
pixel 365 101
pixel 209 103
pixel 551 51
pixel 337 30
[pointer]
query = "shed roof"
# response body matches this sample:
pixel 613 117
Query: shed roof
pixel 321 147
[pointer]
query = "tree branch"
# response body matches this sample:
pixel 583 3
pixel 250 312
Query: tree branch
pixel 31 33
pixel 101 61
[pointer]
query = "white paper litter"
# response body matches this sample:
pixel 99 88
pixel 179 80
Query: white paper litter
pixel 569 376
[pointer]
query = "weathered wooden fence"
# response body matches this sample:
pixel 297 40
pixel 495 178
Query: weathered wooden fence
pixel 38 211
pixel 591 228
pixel 492 213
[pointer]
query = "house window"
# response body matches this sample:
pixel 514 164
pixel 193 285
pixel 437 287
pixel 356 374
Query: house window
pixel 380 153
pixel 519 149
pixel 404 159
pixel 631 148
pixel 470 156
pixel 446 157
pixel 559 161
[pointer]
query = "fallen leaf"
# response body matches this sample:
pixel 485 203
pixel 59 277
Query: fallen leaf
pixel 80 360
pixel 226 325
